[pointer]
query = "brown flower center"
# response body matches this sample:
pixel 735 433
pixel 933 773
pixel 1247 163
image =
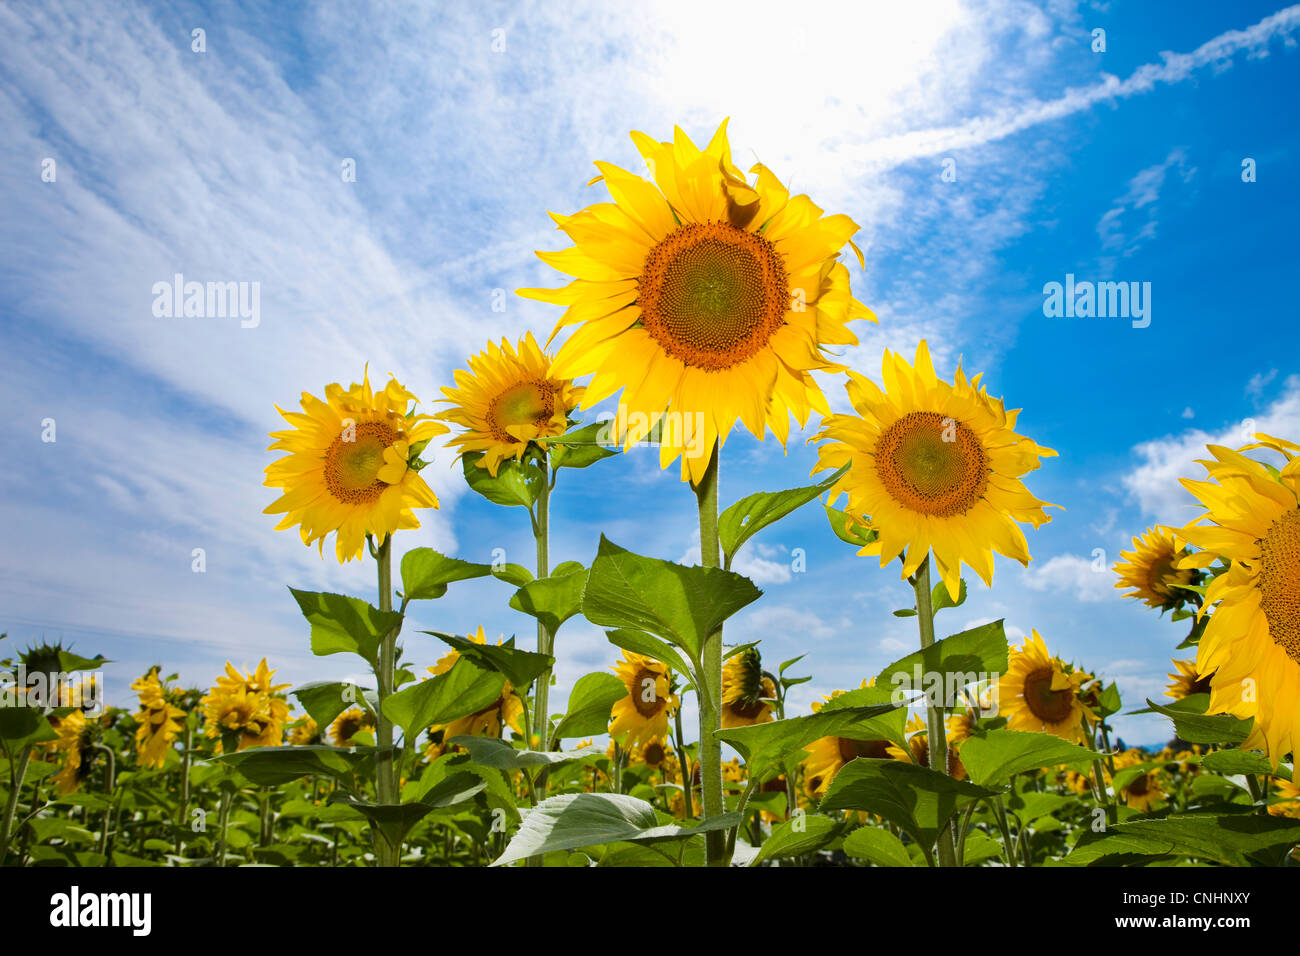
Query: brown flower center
pixel 1049 706
pixel 932 464
pixel 353 461
pixel 645 693
pixel 852 749
pixel 528 403
pixel 712 295
pixel 1279 582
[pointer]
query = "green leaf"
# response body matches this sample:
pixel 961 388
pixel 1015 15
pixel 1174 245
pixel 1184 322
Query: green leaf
pixel 916 799
pixel 765 747
pixel 752 514
pixel 515 484
pixel 325 700
pixel 426 573
pixel 804 833
pixel 345 624
pixel 847 531
pixel 574 820
pixel 680 604
pixel 394 820
pixel 499 754
pixel 1232 762
pixel 590 703
pixel 639 642
pixel 1109 701
pixel 968 656
pixel 552 600
pixel 515 574
pixel 940 598
pixel 21 726
pixel 520 667
pixel 464 689
pixel 580 447
pixel 877 845
pixel 1205 728
pixel 995 756
pixel 1227 838
pixel 272 766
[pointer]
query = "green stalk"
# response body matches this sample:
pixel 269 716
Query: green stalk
pixel 16 778
pixel 545 639
pixel 223 819
pixel 684 765
pixel 710 670
pixel 385 777
pixel 110 776
pixel 936 733
pixel 185 787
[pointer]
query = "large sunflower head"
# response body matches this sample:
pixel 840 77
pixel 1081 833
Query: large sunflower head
pixel 247 708
pixel 746 690
pixel 1041 693
pixel 1250 649
pixel 708 299
pixel 1153 570
pixel 507 399
pixel 348 724
pixel 933 466
pixel 75 741
pixel 918 748
pixel 305 732
pixel 643 714
pixel 158 721
pixel 1144 790
pixel 352 466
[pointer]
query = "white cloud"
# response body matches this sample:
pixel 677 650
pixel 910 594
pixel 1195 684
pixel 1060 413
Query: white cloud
pixel 1072 574
pixel 1162 461
pixel 1122 229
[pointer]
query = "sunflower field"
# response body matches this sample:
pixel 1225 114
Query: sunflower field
pixel 704 298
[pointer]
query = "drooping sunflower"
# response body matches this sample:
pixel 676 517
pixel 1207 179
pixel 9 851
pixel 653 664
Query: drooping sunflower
pixel 827 755
pixel 643 714
pixel 352 465
pixel 918 752
pixel 507 399
pixel 75 739
pixel 248 705
pixel 702 296
pixel 746 692
pixel 1152 570
pixel 1185 683
pixel 1250 649
pixel 350 723
pixel 506 711
pixel 1039 692
pixel 933 467
pixel 159 721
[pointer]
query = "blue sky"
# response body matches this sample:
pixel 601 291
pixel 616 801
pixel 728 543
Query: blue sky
pixel 225 165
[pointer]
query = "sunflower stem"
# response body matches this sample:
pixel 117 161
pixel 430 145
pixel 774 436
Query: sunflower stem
pixel 16 777
pixel 385 778
pixel 936 737
pixel 710 670
pixel 541 696
pixel 684 765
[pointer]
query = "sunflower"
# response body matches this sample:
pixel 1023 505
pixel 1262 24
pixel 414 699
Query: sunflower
pixel 248 705
pixel 507 399
pixel 918 751
pixel 350 723
pixel 746 692
pixel 1185 682
pixel 1250 650
pixel 933 466
pixel 1152 570
pixel 1144 790
pixel 351 466
pixel 1286 801
pixel 159 721
pixel 1040 693
pixel 643 714
pixel 827 755
pixel 305 732
pixel 74 742
pixel 702 296
pixel 506 711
